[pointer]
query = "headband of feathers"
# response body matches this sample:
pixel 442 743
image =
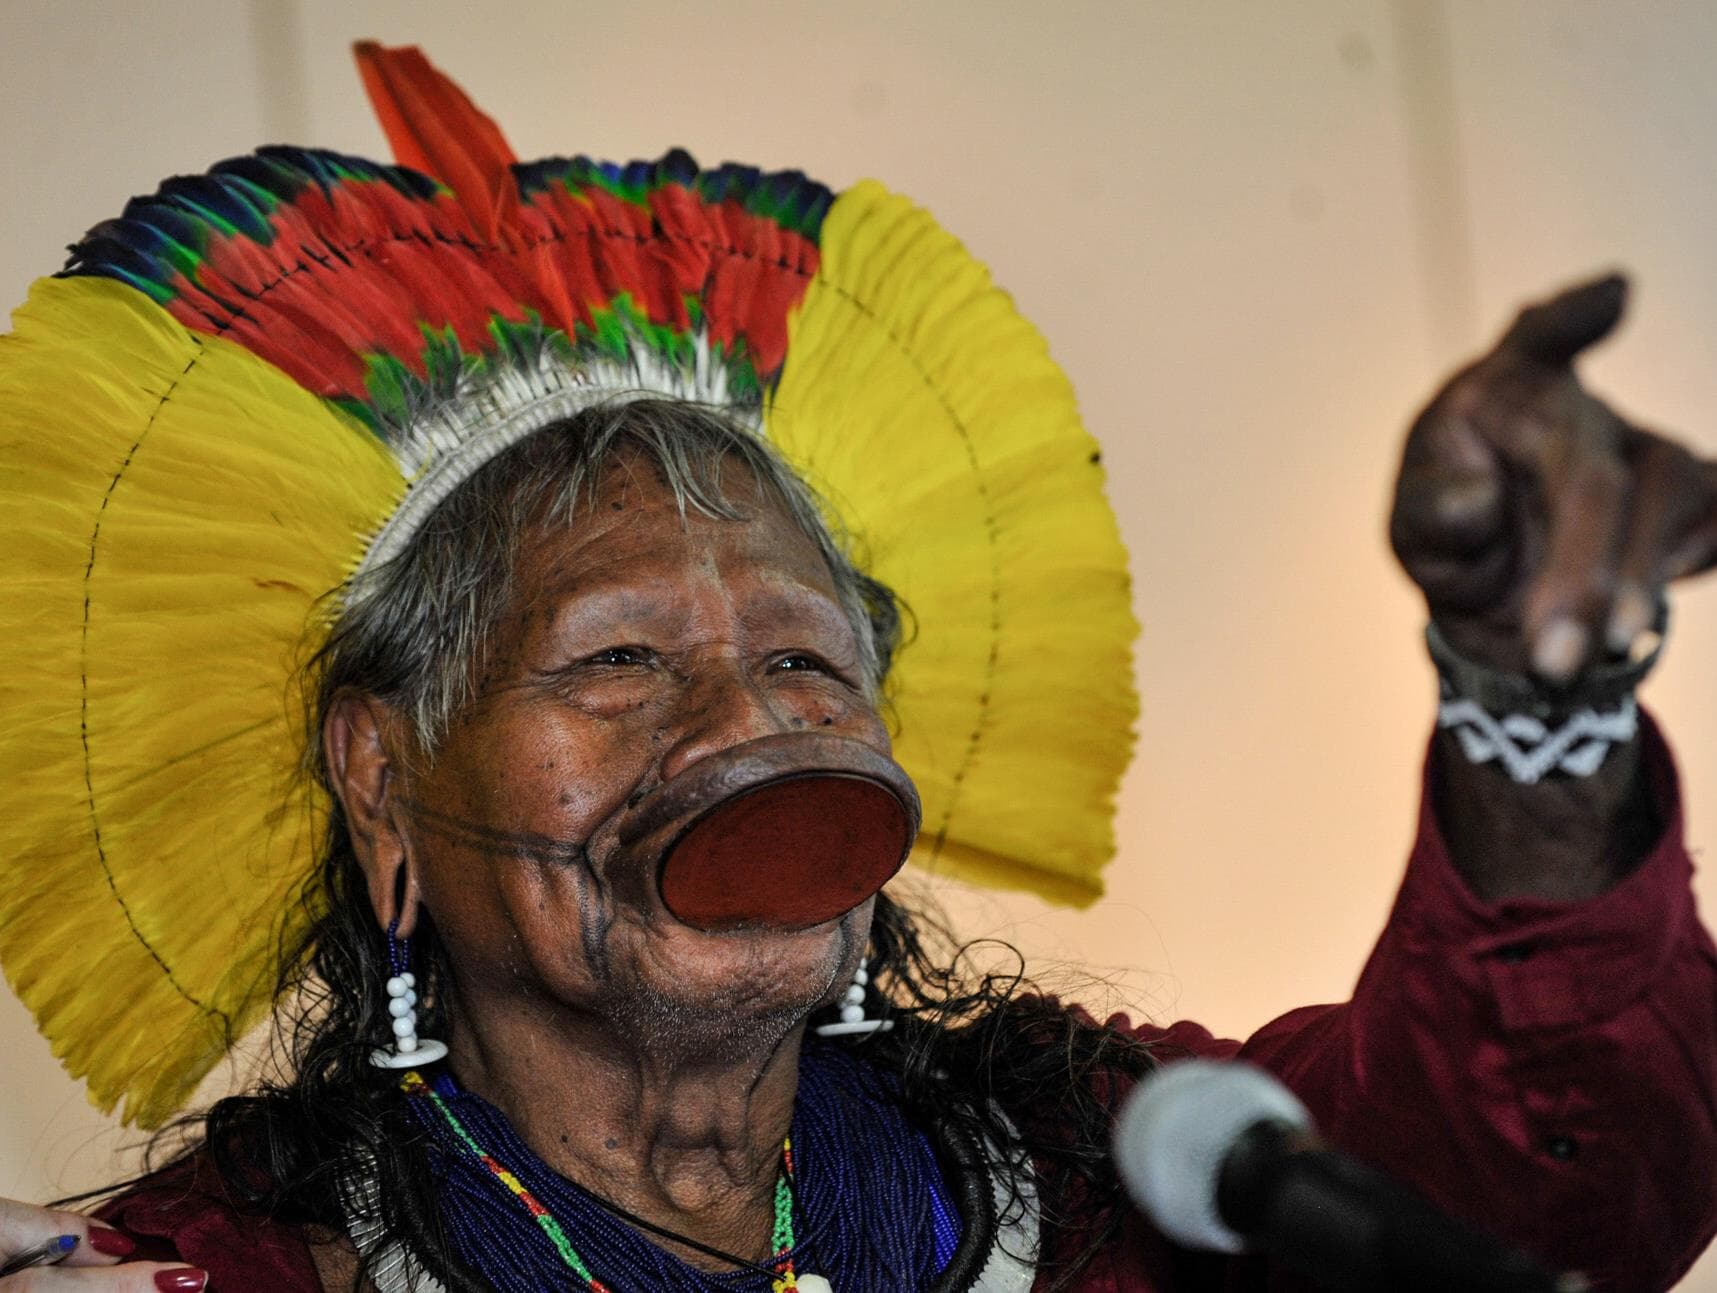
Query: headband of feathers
pixel 260 380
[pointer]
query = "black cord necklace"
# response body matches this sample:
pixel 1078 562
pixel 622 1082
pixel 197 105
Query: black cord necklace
pixel 662 1232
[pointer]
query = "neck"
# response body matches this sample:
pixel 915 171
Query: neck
pixel 683 1133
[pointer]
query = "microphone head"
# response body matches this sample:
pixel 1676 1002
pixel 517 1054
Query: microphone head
pixel 1175 1131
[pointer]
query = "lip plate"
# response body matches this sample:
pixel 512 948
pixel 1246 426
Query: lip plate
pixel 788 830
pixel 790 852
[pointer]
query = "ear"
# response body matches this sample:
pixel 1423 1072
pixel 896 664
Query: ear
pixel 360 744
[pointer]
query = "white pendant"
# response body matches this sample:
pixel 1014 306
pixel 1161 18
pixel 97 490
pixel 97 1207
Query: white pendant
pixel 813 1284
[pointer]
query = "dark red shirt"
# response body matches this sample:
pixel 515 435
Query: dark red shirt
pixel 1545 1070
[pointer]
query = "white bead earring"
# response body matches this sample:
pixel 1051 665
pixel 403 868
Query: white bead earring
pixel 853 1021
pixel 409 1050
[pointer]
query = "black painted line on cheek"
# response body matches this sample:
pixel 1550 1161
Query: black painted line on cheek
pixel 527 845
pixel 595 917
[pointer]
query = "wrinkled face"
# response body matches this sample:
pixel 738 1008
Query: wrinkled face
pixel 636 644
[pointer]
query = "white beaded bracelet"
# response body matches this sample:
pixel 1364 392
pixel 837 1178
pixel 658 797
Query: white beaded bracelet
pixel 1528 748
pixel 1532 731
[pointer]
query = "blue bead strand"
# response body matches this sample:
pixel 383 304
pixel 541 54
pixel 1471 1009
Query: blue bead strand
pixel 875 1212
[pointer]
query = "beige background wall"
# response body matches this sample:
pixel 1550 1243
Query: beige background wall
pixel 1254 234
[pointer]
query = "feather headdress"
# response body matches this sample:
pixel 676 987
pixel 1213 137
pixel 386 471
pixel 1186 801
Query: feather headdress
pixel 257 381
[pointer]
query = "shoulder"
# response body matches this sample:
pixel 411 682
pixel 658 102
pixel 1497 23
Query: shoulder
pixel 186 1212
pixel 1125 1049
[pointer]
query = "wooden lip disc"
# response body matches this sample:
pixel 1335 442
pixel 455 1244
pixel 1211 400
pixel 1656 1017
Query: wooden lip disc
pixel 794 852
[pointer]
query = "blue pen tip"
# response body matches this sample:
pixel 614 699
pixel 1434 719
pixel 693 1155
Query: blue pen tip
pixel 68 1242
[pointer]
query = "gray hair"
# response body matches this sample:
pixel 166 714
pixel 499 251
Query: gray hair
pixel 415 632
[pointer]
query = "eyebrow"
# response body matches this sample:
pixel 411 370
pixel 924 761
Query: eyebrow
pixel 578 610
pixel 799 599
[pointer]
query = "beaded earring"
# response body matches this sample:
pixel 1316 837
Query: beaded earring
pixel 853 1021
pixel 409 1050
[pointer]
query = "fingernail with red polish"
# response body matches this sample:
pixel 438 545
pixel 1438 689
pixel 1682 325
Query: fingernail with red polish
pixel 184 1280
pixel 110 1243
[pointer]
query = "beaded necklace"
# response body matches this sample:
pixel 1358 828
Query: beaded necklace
pixel 882 1209
pixel 781 1264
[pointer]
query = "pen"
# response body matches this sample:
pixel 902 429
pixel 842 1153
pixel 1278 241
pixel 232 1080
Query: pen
pixel 56 1249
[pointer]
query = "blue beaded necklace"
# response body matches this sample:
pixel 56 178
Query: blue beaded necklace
pixel 872 1207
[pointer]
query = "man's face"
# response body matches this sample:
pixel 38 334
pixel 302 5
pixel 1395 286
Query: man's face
pixel 636 643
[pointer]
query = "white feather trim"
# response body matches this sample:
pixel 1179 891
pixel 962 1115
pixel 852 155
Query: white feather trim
pixel 444 445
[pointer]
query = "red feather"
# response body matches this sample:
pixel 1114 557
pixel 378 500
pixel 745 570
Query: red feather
pixel 433 127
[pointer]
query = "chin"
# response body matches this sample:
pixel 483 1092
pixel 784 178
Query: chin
pixel 737 989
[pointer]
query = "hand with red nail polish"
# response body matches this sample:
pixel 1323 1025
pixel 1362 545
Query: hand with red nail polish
pixel 92 1256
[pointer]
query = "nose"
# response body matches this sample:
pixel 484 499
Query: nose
pixel 721 706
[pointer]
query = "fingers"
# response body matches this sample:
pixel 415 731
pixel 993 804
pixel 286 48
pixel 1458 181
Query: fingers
pixel 1674 496
pixel 1555 331
pixel 1503 417
pixel 1537 521
pixel 1629 515
pixel 23 1226
pixel 1694 550
pixel 1449 498
pixel 1450 507
pixel 1588 499
pixel 135 1277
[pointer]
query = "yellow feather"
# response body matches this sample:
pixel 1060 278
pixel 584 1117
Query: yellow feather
pixel 171 509
pixel 927 410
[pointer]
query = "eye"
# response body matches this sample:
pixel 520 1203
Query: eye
pixel 799 662
pixel 620 656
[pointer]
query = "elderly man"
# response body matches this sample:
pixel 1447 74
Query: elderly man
pixel 593 984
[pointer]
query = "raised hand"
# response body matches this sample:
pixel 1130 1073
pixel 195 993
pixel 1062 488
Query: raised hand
pixel 1542 527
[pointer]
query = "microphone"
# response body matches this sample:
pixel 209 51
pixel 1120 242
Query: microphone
pixel 1221 1156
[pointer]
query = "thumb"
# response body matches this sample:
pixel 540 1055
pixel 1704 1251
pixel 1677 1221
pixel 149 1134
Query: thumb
pixel 1555 331
pixel 24 1226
